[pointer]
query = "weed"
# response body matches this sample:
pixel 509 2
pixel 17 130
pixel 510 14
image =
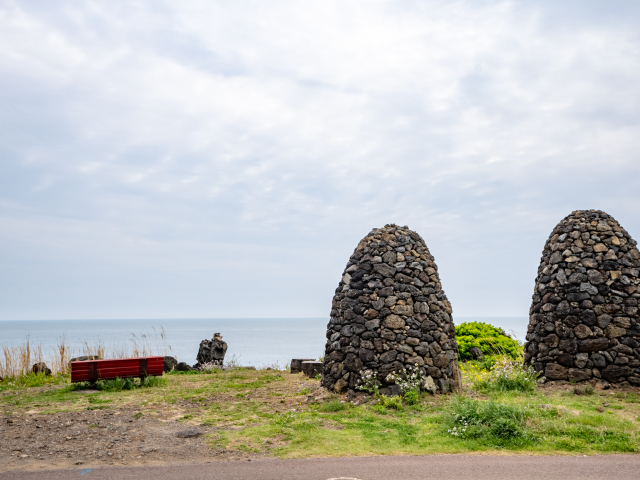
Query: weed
pixel 394 403
pixel 138 415
pixel 583 390
pixel 409 378
pixel 369 382
pixel 96 399
pixel 116 385
pixel 153 381
pixel 120 384
pixel 507 376
pixel 285 419
pixel 412 397
pixel 32 380
pixel 489 422
pixel 506 429
pixel 379 408
pixel 210 367
pixel 333 406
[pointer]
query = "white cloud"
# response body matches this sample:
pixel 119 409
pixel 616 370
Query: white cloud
pixel 209 129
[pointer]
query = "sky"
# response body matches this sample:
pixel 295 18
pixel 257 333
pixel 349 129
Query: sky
pixel 223 159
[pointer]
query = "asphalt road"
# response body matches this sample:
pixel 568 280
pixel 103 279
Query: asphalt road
pixel 441 467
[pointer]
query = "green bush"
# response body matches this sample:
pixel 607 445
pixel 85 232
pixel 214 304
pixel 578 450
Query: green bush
pixel 489 339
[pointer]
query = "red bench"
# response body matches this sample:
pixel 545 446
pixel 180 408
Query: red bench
pixel 93 370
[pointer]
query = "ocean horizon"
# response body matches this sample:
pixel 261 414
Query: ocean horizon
pixel 253 341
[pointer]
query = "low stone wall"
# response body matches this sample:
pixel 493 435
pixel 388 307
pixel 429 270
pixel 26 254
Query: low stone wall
pixel 584 316
pixel 389 311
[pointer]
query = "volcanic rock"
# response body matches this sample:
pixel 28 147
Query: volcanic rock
pixel 212 351
pixel 584 320
pixel 183 367
pixel 169 364
pixel 389 312
pixel 41 367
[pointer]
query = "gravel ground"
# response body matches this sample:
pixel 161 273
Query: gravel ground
pixel 103 437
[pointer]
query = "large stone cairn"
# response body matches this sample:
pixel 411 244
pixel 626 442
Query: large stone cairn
pixel 390 312
pixel 584 317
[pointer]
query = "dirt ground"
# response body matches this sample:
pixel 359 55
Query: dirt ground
pixel 86 437
pixel 121 436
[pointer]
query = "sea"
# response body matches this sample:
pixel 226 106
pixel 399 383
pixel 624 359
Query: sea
pixel 251 341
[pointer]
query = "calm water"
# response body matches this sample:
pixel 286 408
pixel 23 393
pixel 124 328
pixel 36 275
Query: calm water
pixel 253 341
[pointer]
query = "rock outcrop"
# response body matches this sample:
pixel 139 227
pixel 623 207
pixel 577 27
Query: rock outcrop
pixel 389 311
pixel 41 367
pixel 584 320
pixel 212 351
pixel 169 363
pixel 183 367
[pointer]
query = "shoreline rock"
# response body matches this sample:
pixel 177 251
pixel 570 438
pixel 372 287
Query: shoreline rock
pixel 212 350
pixel 41 367
pixel 169 364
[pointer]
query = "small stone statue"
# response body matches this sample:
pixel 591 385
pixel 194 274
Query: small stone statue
pixel 212 350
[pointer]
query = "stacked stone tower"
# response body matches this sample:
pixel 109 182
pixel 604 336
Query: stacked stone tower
pixel 389 311
pixel 584 320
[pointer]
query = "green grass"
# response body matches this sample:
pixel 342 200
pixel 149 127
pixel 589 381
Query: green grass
pixel 333 406
pixel 490 423
pixel 512 422
pixel 263 411
pixel 31 380
pixel 120 384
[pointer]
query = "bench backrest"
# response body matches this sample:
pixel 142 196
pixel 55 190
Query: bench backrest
pixel 93 370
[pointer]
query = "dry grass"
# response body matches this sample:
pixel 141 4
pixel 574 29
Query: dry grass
pixel 17 360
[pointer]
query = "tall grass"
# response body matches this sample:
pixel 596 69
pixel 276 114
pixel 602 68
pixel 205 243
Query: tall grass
pixel 17 360
pixel 503 372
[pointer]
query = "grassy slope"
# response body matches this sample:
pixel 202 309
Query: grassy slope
pixel 255 412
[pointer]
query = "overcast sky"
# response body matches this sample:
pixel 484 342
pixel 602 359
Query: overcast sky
pixel 223 158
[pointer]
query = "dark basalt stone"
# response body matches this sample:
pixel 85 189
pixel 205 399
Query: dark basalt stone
pixel 41 367
pixel 584 319
pixel 389 312
pixel 212 350
pixel 169 364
